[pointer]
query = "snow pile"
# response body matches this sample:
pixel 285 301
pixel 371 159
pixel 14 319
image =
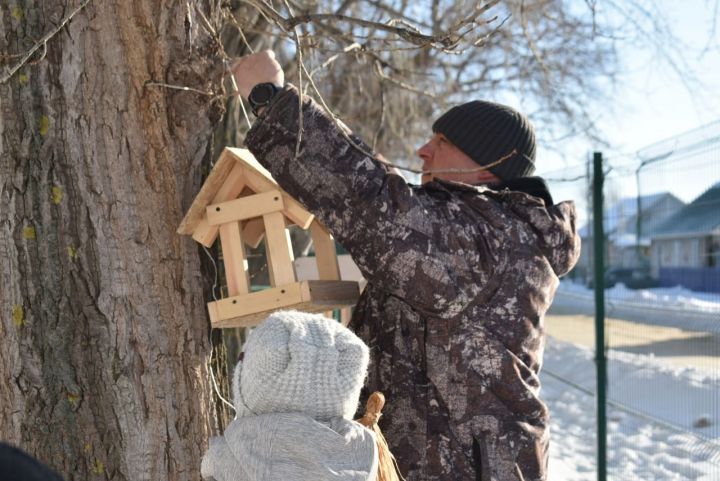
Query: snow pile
pixel 654 418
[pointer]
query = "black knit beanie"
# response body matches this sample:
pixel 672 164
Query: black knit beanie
pixel 487 132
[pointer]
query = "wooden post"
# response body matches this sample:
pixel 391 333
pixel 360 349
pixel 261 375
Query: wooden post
pixel 232 186
pixel 278 250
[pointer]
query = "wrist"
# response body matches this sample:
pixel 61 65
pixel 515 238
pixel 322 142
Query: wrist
pixel 261 95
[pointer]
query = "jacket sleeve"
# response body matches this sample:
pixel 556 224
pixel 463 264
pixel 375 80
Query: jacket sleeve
pixel 409 246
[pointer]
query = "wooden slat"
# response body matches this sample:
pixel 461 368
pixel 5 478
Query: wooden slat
pixel 267 300
pixel 259 180
pixel 253 232
pixel 325 253
pixel 234 259
pixel 220 185
pixel 245 207
pixel 205 233
pixel 306 296
pixel 278 250
pixel 296 212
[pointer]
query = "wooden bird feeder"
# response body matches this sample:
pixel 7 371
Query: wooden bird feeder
pixel 242 203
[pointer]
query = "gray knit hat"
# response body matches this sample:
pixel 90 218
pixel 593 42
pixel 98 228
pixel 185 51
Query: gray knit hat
pixel 487 132
pixel 302 363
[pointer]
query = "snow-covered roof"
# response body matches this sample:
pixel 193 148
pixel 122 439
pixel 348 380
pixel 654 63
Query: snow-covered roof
pixel 701 216
pixel 621 218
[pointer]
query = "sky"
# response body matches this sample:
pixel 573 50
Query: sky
pixel 652 102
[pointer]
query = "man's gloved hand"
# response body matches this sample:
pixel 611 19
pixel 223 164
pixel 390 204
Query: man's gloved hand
pixel 257 68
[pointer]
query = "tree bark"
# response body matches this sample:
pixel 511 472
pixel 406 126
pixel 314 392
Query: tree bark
pixel 104 347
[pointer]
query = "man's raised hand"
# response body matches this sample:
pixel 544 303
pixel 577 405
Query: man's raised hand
pixel 257 68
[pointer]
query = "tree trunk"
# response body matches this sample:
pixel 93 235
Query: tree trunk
pixel 104 345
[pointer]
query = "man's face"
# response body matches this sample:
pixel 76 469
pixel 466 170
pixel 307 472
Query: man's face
pixel 440 154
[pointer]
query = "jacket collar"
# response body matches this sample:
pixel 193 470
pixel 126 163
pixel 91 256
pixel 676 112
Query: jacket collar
pixel 534 186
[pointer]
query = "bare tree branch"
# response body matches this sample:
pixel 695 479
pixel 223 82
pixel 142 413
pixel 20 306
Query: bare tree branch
pixel 41 43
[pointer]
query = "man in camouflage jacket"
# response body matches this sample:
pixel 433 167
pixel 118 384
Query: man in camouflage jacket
pixel 459 279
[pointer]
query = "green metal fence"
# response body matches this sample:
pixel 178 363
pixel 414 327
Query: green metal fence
pixel 649 281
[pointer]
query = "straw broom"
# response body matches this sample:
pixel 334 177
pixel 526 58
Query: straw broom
pixel 387 465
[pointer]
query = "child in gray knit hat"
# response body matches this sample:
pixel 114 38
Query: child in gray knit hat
pixel 295 392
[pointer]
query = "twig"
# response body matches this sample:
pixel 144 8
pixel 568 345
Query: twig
pixel 41 57
pixel 381 121
pixel 178 87
pixel 234 21
pixel 336 120
pixel 482 40
pixel 41 42
pixel 267 11
pixel 409 34
pixel 205 20
pixel 445 41
pixel 301 67
pixel 533 48
pixel 344 132
pixel 402 84
pixel 479 168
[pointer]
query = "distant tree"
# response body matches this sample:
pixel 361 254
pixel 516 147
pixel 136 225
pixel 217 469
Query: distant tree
pixel 387 68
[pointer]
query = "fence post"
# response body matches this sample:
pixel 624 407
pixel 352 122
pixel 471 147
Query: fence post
pixel 599 273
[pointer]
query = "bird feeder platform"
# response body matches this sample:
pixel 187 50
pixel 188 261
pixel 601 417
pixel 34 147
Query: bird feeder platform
pixel 242 204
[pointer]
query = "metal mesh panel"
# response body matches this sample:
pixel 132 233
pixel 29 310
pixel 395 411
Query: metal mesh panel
pixel 662 325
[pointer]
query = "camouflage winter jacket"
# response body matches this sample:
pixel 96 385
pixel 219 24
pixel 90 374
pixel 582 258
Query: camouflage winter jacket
pixel 459 279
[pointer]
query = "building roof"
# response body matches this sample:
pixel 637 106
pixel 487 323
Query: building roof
pixel 701 216
pixel 621 218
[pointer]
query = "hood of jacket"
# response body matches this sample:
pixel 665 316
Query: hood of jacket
pixel 291 447
pixel 529 199
pixel 554 224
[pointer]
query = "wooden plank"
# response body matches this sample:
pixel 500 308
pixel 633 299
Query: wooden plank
pixel 205 233
pixel 325 253
pixel 295 211
pixel 223 182
pixel 233 249
pixel 278 250
pixel 245 305
pixel 306 296
pixel 245 207
pixel 260 180
pixel 253 232
pixel 330 293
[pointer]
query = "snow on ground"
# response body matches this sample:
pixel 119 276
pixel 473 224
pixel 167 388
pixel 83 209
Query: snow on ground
pixel 653 418
pixel 674 306
pixel 677 297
